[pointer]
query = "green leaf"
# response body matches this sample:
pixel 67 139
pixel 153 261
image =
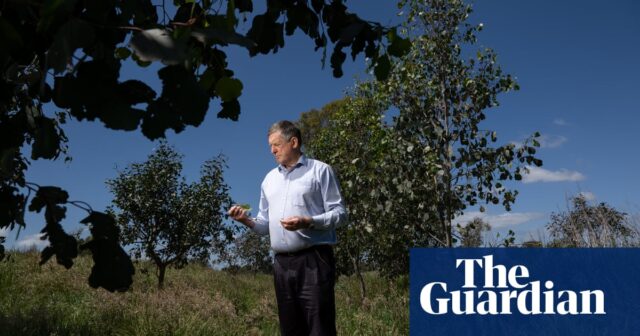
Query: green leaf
pixel 158 44
pixel 120 116
pixel 46 144
pixel 103 226
pixel 222 37
pixel 122 53
pixel 382 68
pixel 228 89
pixel 245 206
pixel 399 46
pixel 185 96
pixel 230 110
pixel 207 79
pixel 135 92
pixel 182 102
pixel 141 63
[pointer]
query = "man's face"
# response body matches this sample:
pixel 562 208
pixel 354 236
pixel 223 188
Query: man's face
pixel 286 152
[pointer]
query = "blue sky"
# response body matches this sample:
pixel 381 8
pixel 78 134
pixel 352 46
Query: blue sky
pixel 577 63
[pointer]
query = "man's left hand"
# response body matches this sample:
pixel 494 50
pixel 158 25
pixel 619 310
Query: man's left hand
pixel 296 223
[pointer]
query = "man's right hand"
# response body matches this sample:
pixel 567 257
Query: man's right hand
pixel 240 214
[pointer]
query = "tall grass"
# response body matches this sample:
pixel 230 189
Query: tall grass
pixel 50 300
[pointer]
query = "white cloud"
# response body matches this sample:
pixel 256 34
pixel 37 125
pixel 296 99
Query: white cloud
pixel 4 232
pixel 537 174
pixel 589 196
pixel 559 122
pixel 551 141
pixel 32 241
pixel 507 219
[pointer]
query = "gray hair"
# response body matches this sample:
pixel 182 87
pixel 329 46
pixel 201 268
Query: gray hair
pixel 287 129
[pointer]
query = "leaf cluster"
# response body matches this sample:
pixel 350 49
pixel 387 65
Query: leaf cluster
pixel 166 219
pixel 443 98
pixel 68 55
pixel 405 181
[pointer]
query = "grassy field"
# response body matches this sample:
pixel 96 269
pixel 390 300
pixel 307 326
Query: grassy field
pixel 50 300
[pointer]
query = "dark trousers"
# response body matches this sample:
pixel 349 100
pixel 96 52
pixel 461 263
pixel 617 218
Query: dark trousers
pixel 304 283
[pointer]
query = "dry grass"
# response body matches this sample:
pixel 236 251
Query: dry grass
pixel 51 300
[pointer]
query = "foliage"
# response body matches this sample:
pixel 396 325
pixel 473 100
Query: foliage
pixel 313 121
pixel 164 218
pixel 405 181
pixel 471 235
pixel 249 252
pixel 442 100
pixel 112 267
pixel 196 301
pixel 67 55
pixel 585 225
pixel 387 209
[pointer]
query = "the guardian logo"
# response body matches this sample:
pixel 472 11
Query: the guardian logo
pixel 504 292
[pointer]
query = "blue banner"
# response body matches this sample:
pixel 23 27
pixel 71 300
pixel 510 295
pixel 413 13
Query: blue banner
pixel 524 291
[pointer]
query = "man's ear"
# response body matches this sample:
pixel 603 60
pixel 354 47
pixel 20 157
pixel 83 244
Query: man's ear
pixel 295 142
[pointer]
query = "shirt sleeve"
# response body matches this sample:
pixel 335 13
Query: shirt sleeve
pixel 335 214
pixel 261 221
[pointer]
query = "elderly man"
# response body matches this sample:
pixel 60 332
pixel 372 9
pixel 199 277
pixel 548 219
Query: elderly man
pixel 300 208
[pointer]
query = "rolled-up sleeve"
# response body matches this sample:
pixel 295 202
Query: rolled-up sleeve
pixel 335 214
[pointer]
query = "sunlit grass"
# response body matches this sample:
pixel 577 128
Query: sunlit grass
pixel 50 300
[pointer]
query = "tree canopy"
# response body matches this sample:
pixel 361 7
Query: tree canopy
pixel 166 219
pixel 62 59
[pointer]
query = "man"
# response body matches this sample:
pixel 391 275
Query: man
pixel 300 208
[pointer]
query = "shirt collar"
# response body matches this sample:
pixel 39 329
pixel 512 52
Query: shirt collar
pixel 302 161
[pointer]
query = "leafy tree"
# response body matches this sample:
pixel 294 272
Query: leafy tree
pixel 442 100
pixel 350 132
pixel 68 54
pixel 312 122
pixel 250 252
pixel 585 225
pixel 471 235
pixel 387 212
pixel 166 219
pixel 405 181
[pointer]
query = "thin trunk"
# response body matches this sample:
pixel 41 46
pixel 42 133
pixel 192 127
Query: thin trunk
pixel 446 165
pixel 356 267
pixel 161 272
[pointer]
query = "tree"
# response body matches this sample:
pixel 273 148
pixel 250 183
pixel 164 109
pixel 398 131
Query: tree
pixel 442 100
pixel 349 131
pixel 164 218
pixel 387 213
pixel 312 122
pixel 585 225
pixel 471 235
pixel 67 55
pixel 404 181
pixel 250 252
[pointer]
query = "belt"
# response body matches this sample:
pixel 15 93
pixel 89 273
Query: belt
pixel 319 248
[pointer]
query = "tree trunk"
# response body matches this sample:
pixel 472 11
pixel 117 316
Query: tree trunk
pixel 356 267
pixel 160 273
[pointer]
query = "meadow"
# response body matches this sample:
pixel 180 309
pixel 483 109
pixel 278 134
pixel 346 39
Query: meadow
pixel 196 300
